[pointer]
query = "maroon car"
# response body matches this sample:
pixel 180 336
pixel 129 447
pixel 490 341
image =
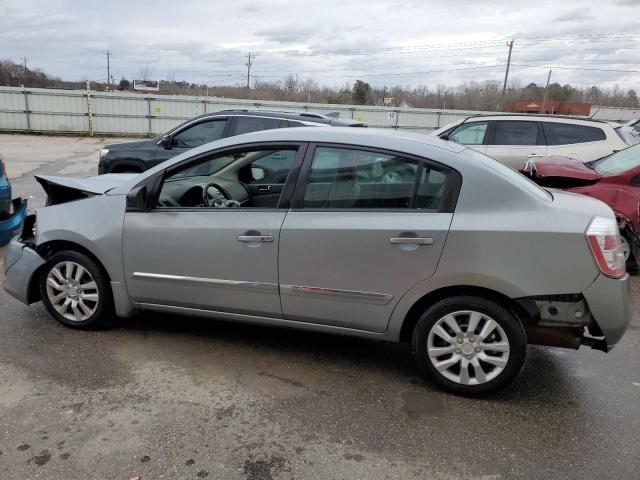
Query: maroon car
pixel 614 179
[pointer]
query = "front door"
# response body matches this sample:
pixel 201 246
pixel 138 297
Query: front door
pixel 191 136
pixel 206 246
pixel 365 227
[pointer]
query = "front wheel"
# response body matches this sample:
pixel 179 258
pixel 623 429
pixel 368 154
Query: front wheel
pixel 469 345
pixel 76 291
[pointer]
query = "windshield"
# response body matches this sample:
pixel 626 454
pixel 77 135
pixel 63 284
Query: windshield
pixel 618 162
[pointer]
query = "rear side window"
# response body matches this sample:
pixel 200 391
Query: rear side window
pixel 516 133
pixel 566 133
pixel 469 133
pixel 344 178
pixel 255 124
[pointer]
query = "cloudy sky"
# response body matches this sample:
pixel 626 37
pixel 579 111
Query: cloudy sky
pixel 385 42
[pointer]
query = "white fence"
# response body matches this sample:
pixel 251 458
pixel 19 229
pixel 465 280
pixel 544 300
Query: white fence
pixel 116 113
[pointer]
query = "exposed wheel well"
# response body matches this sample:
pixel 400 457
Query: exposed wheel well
pixel 47 250
pixel 430 298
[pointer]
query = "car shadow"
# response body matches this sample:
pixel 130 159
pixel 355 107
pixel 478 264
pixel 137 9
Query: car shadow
pixel 544 377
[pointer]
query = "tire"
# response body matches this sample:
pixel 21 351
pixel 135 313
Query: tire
pixel 61 289
pixel 488 369
pixel 631 262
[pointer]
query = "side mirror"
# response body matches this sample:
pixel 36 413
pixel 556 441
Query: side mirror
pixel 137 199
pixel 166 141
pixel 444 136
pixel 258 173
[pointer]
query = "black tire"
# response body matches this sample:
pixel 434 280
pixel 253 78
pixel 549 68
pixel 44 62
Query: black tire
pixel 634 252
pixel 102 310
pixel 510 325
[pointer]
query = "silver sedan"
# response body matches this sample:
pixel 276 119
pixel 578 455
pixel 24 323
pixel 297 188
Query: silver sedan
pixel 378 234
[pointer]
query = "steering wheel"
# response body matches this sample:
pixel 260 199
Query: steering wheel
pixel 391 177
pixel 211 197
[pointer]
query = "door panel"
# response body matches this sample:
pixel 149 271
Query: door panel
pixel 350 269
pixel 196 259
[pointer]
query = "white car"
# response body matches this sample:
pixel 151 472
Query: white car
pixel 513 139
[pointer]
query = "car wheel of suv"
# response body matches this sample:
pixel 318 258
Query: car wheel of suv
pixel 76 291
pixel 469 345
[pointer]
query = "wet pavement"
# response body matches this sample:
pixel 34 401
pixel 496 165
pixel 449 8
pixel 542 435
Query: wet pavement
pixel 162 396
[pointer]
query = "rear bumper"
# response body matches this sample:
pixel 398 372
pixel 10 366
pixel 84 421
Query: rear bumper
pixel 610 306
pixel 20 263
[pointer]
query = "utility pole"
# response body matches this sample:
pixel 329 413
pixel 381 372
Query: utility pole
pixel 506 73
pixel 108 71
pixel 24 71
pixel 546 91
pixel 250 57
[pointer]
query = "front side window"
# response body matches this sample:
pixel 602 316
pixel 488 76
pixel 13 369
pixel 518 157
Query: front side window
pixel 343 178
pixel 470 133
pixel 515 133
pixel 216 181
pixel 199 134
pixel 255 124
pixel 566 133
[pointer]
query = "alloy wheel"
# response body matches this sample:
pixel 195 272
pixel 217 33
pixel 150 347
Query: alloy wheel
pixel 72 291
pixel 468 347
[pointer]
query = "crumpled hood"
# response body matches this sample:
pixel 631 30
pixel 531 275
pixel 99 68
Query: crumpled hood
pixel 560 167
pixel 93 185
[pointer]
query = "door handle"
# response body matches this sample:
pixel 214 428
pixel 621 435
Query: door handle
pixel 255 238
pixel 264 188
pixel 411 240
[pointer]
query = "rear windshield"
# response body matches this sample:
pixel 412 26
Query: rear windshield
pixel 618 162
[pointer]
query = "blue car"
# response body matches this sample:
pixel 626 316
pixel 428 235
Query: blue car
pixel 12 212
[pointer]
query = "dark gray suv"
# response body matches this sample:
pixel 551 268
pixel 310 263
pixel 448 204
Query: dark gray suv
pixel 136 157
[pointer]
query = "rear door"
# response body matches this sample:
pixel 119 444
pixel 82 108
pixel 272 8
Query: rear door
pixel 513 142
pixel 245 124
pixel 365 227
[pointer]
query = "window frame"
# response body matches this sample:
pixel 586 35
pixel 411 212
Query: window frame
pixel 178 130
pixel 553 136
pixel 156 181
pixel 233 121
pixel 540 138
pixel 451 192
pixel 487 133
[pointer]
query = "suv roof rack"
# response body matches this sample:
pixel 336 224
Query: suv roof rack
pixel 536 115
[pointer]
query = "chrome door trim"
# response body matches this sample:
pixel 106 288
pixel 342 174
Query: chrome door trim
pixel 213 282
pixel 411 240
pixel 337 294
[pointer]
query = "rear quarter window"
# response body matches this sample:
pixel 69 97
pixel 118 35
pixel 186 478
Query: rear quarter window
pixel 566 133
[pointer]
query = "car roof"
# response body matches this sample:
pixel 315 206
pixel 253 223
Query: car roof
pixel 332 119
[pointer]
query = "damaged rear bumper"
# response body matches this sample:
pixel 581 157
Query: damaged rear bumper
pixel 597 318
pixel 10 225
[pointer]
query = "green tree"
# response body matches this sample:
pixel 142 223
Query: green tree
pixel 124 84
pixel 361 92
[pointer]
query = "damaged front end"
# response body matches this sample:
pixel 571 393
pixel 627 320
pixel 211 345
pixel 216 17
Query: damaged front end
pixel 11 219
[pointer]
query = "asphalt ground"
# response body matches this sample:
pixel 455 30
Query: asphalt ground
pixel 160 396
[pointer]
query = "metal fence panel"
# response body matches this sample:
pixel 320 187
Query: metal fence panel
pixel 123 113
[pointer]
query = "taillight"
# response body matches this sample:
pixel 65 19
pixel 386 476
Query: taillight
pixel 604 239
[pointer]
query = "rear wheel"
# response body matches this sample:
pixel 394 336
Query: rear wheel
pixel 76 291
pixel 469 345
